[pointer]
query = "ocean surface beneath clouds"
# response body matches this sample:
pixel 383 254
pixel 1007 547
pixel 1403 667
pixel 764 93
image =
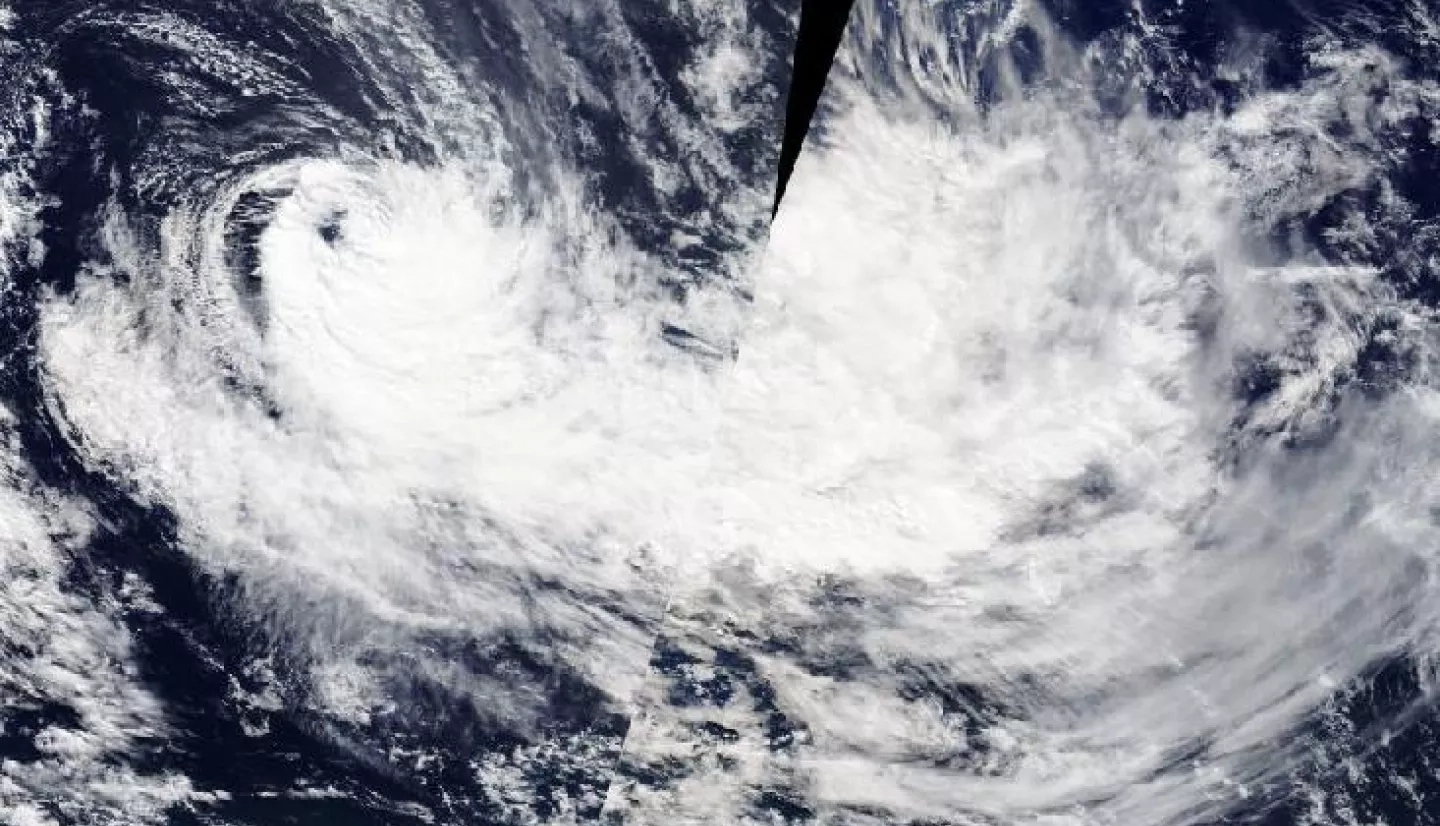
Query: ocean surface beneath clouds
pixel 410 414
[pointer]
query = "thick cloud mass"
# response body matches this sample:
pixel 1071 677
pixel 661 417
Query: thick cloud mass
pixel 411 416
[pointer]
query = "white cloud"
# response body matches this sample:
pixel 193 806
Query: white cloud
pixel 988 376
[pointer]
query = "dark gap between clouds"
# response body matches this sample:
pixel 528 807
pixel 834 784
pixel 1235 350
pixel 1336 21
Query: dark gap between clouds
pixel 822 24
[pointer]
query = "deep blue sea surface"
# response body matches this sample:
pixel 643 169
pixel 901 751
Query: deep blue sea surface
pixel 410 414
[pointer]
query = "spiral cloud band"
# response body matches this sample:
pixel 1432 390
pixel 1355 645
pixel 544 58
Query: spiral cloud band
pixel 410 414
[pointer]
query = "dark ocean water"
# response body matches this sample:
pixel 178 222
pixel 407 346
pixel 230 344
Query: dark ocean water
pixel 200 630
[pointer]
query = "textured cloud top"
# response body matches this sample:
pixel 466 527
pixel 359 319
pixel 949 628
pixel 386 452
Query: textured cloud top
pixel 411 416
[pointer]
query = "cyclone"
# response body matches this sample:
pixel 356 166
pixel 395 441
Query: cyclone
pixel 419 412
